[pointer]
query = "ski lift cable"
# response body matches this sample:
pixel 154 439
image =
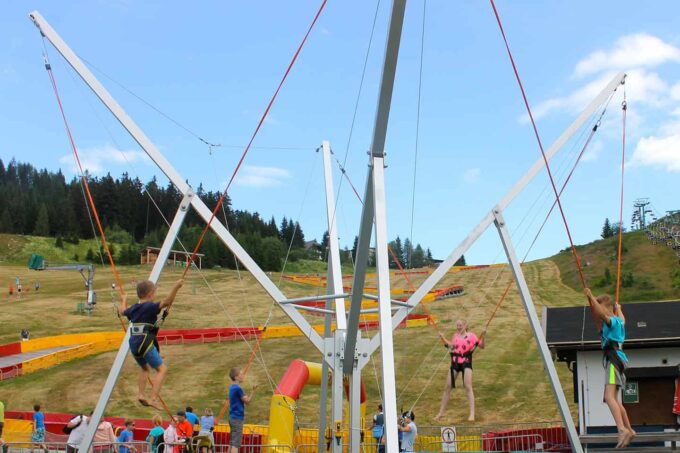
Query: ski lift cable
pixel 417 140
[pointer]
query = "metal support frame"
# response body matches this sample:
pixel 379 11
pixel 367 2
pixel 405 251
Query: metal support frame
pixel 173 175
pixel 374 211
pixel 441 270
pixel 539 335
pixel 344 350
pixel 333 287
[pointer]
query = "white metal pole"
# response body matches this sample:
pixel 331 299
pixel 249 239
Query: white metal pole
pixel 333 241
pixel 382 116
pixel 539 335
pixel 384 303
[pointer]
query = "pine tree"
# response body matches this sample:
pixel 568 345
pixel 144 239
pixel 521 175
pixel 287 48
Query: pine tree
pixel 607 231
pixel 397 251
pixel 406 253
pixel 418 257
pixel 460 261
pixel 272 254
pixel 325 242
pixel 59 242
pixel 299 237
pixel 6 224
pixel 42 223
pixel 354 247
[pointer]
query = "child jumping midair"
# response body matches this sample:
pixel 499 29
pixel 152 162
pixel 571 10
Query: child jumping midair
pixel 143 330
pixel 615 361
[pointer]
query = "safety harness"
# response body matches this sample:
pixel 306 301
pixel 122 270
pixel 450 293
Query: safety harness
pixel 467 359
pixel 148 333
pixel 610 354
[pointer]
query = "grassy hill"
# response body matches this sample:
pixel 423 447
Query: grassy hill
pixel 16 249
pixel 510 382
pixel 649 272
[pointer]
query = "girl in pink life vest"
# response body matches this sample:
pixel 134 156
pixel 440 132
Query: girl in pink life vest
pixel 461 346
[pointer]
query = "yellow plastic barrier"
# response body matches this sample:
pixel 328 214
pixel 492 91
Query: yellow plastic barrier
pixel 71 340
pixel 17 430
pixel 84 345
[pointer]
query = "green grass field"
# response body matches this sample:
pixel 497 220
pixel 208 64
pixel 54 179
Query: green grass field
pixel 509 379
pixel 510 383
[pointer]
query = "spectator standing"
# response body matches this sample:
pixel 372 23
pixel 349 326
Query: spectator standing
pixel 155 437
pixel 25 334
pixel 192 418
pixel 378 425
pixel 104 438
pixel 410 430
pixel 126 437
pixel 237 401
pixel 78 426
pixel 170 437
pixel 37 286
pixel 184 429
pixel 38 434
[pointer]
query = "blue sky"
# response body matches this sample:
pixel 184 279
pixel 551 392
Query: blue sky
pixel 214 65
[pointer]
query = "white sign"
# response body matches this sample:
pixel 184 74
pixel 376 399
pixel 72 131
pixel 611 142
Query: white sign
pixel 449 438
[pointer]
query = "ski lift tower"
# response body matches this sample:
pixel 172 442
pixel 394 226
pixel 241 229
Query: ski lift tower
pixel 639 215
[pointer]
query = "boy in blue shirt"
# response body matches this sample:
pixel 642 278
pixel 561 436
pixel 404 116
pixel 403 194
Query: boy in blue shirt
pixel 613 332
pixel 38 435
pixel 193 418
pixel 143 329
pixel 126 437
pixel 237 401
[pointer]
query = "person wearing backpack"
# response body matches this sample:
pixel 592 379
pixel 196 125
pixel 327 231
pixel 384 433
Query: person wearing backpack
pixel 75 429
pixel 378 426
pixel 155 437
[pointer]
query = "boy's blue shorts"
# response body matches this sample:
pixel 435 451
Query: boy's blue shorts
pixel 151 358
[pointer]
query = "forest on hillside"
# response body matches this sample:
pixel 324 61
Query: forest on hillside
pixel 133 214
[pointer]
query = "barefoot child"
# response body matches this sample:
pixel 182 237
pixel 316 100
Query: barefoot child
pixel 462 345
pixel 143 317
pixel 615 361
pixel 237 401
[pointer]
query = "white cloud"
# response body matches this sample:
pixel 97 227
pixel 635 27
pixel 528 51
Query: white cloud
pixel 471 175
pixel 658 152
pixel 642 87
pixel 98 160
pixel 256 176
pixel 637 50
pixel 675 93
pixel 593 151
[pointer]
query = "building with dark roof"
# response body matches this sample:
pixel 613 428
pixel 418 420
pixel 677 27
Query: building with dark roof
pixel 653 347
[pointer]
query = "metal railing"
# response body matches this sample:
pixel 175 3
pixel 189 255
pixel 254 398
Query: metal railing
pixel 529 442
pixel 191 447
pixel 9 372
pixel 55 447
